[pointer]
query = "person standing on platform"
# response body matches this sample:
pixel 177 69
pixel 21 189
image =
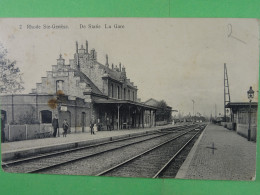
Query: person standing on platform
pixel 108 124
pixel 55 125
pixel 2 128
pixel 95 128
pixel 65 126
pixel 92 128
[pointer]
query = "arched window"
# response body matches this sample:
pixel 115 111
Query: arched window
pixel 59 85
pixel 46 116
pixel 133 96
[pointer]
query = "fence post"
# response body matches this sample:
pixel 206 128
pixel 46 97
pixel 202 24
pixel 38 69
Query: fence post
pixel 9 136
pixel 26 133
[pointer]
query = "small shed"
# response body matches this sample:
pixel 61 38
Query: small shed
pixel 240 117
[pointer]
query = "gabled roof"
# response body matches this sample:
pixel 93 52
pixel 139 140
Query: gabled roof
pixel 152 102
pixel 115 75
pixel 112 73
pixel 89 83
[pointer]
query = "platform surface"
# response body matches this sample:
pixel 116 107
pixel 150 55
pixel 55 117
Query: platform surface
pixel 74 137
pixel 234 158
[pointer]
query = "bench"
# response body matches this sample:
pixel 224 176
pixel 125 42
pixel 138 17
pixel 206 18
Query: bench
pixel 126 126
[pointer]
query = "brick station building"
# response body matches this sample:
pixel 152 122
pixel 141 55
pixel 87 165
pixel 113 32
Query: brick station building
pixel 87 91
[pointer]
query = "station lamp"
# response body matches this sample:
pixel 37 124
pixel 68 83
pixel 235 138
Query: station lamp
pixel 250 95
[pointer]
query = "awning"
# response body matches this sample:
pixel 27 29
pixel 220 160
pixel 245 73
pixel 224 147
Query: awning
pixel 126 102
pixel 241 104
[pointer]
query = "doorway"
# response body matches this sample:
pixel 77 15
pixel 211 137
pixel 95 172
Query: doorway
pixel 83 121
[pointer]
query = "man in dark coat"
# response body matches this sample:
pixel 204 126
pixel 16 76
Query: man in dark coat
pixel 92 128
pixel 2 128
pixel 108 124
pixel 55 125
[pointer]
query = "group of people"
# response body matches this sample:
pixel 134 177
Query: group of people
pixel 93 128
pixel 55 125
pixel 66 126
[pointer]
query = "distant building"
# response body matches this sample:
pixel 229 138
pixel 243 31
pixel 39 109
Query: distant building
pixel 240 118
pixel 82 92
pixel 162 116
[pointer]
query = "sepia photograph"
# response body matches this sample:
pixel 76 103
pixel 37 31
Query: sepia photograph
pixel 130 97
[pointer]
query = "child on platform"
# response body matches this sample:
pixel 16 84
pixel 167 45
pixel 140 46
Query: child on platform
pixel 65 126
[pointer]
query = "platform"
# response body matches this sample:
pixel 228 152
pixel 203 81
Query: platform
pixel 11 150
pixel 220 154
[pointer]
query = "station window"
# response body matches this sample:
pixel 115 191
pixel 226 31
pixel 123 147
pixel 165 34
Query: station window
pixel 112 90
pixel 129 95
pixel 59 85
pixel 3 114
pixel 46 116
pixel 118 92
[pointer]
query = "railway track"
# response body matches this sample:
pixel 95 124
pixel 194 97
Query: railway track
pixel 45 162
pixel 153 162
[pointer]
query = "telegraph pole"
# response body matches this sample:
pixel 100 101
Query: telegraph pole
pixel 193 107
pixel 226 90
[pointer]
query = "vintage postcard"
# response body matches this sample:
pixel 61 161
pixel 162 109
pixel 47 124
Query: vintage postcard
pixel 130 97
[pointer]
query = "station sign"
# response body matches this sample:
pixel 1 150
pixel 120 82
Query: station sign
pixel 63 108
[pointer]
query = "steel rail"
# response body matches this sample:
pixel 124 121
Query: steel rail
pixel 145 152
pixel 7 164
pixel 90 155
pixel 175 155
pixel 72 150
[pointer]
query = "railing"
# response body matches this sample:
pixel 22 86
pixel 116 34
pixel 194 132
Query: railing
pixel 28 131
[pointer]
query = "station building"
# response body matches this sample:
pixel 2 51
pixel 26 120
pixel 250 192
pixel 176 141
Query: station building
pixel 161 117
pixel 83 91
pixel 240 118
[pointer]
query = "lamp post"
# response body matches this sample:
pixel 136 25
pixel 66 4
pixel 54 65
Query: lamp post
pixel 58 98
pixel 250 95
pixel 193 109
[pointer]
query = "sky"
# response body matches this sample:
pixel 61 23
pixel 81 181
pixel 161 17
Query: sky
pixel 176 60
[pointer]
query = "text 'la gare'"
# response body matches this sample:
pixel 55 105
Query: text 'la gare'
pixel 98 26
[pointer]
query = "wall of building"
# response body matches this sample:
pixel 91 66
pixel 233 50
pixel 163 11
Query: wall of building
pixel 71 84
pixel 26 132
pixel 241 121
pixel 242 129
pixel 241 116
pixel 20 107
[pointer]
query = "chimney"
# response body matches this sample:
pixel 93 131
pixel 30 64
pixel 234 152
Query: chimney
pixel 77 47
pixel 107 60
pixel 86 46
pixel 123 69
pixel 93 53
pixel 120 67
pixel 112 66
